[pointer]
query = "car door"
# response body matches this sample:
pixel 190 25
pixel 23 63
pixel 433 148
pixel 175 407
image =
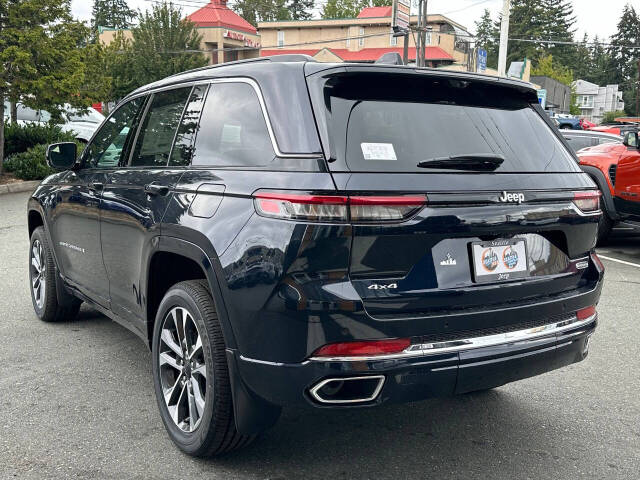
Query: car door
pixel 134 200
pixel 75 221
pixel 627 187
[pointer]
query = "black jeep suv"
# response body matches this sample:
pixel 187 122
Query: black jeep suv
pixel 281 232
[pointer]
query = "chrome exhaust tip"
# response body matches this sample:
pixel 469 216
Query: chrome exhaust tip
pixel 347 390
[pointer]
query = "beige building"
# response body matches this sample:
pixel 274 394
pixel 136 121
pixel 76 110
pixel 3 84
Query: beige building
pixel 363 39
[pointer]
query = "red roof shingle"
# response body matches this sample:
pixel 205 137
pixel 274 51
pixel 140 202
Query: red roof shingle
pixel 372 12
pixel 217 14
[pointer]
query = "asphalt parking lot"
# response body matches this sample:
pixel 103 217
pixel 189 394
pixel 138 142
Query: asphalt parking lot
pixel 76 401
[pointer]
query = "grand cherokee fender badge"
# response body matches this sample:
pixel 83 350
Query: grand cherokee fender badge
pixel 449 261
pixel 71 247
pixel 378 286
pixel 507 197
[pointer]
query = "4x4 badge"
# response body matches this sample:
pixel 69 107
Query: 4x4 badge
pixel 449 261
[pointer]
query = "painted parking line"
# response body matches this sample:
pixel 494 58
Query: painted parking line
pixel 617 260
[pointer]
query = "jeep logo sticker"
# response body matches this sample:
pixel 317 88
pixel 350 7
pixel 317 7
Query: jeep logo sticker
pixel 511 197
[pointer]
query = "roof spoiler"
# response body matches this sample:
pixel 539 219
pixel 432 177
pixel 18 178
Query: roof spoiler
pixel 390 58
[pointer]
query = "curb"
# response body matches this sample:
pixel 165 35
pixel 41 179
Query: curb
pixel 19 187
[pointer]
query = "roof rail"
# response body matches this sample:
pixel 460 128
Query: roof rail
pixel 294 57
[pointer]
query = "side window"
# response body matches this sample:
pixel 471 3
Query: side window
pixel 108 144
pixel 158 130
pixel 234 130
pixel 183 147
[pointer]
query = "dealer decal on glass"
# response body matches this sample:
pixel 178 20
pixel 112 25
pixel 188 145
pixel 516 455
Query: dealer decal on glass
pixel 500 260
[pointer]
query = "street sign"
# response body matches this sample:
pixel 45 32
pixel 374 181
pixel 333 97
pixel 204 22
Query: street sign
pixel 482 60
pixel 401 15
pixel 542 97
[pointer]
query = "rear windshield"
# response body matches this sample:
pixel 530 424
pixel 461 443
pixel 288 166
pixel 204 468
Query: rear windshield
pixel 394 124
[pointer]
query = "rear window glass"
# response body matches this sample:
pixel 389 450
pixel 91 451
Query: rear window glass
pixel 393 124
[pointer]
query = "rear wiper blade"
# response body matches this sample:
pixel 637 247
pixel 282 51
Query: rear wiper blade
pixel 476 162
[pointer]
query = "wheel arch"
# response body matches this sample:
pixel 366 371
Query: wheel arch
pixel 182 260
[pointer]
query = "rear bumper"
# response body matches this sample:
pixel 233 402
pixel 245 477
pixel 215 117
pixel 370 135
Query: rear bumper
pixel 481 364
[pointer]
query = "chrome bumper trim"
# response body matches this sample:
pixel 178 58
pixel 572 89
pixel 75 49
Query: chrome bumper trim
pixel 434 348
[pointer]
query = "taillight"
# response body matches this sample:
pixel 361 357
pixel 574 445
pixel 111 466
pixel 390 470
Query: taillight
pixel 294 206
pixel 585 313
pixel 588 201
pixel 367 348
pixel 336 208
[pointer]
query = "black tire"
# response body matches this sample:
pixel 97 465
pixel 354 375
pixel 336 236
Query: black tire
pixel 45 298
pixel 605 225
pixel 215 431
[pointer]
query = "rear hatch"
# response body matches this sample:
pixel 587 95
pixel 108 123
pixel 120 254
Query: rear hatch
pixel 500 222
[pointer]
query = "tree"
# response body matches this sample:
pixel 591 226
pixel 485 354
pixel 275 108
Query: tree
pixel 112 13
pixel 300 9
pixel 343 8
pixel 559 24
pixel 43 63
pixel 624 58
pixel 527 21
pixel 162 44
pixel 254 11
pixel 486 35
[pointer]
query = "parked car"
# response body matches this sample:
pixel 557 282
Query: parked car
pixel 579 139
pixel 82 123
pixel 627 185
pixel 569 123
pixel 586 124
pixel 601 163
pixel 378 234
pixel 616 129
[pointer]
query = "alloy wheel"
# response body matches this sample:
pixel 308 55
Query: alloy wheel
pixel 37 269
pixel 183 373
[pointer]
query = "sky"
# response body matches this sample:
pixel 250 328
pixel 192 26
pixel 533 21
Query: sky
pixel 593 16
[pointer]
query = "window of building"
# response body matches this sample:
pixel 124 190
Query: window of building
pixel 159 127
pixel 361 37
pixel 236 130
pixel 586 101
pixel 393 41
pixel 280 38
pixel 348 40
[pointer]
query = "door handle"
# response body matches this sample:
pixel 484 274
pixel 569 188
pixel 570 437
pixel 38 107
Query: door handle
pixel 156 189
pixel 96 186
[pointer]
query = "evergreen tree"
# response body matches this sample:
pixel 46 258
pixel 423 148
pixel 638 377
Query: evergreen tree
pixel 254 11
pixel 486 34
pixel 112 14
pixel 624 59
pixel 300 9
pixel 163 44
pixel 44 63
pixel 584 66
pixel 559 24
pixel 527 21
pixel 602 66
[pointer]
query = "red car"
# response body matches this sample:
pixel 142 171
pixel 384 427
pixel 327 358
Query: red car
pixel 603 163
pixel 627 184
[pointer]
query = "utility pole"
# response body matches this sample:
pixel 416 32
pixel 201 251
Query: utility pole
pixel 504 39
pixel 422 33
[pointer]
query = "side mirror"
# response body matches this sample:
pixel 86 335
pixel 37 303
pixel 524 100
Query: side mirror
pixel 631 140
pixel 62 156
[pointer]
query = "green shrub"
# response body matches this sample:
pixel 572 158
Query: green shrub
pixel 29 165
pixel 20 138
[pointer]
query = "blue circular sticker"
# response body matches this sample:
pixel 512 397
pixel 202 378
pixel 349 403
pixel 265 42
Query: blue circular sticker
pixel 489 260
pixel 510 258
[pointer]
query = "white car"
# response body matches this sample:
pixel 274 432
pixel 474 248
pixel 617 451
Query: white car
pixel 82 124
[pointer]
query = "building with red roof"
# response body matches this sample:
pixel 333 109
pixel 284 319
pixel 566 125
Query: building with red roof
pixel 223 31
pixel 364 39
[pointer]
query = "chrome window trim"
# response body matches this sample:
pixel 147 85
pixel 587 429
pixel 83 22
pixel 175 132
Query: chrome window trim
pixel 435 348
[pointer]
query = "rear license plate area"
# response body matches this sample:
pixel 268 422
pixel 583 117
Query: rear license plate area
pixel 499 260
